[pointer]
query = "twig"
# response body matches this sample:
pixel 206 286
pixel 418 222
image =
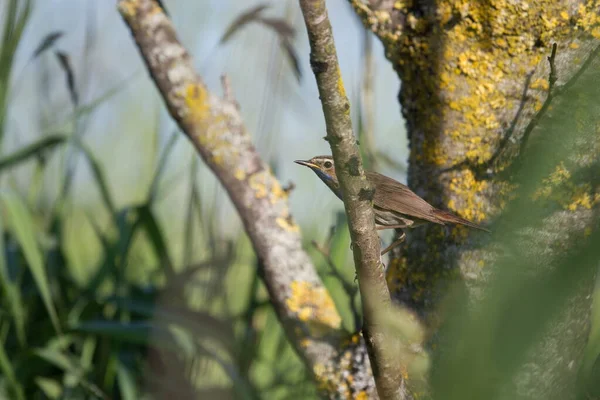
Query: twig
pixel 227 91
pixel 536 118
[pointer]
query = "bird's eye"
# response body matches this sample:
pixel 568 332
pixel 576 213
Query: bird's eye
pixel 328 164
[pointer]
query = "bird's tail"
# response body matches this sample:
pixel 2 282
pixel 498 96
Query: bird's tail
pixel 446 216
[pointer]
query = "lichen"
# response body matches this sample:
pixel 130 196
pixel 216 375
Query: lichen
pixel 468 189
pixel 477 78
pixel 339 379
pixel 128 8
pixel 265 185
pixel 287 224
pixel 313 305
pixel 340 83
pixel 560 189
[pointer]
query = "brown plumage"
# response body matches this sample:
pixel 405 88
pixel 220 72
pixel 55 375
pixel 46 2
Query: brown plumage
pixel 395 205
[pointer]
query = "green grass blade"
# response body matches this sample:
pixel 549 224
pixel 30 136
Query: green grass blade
pixel 12 292
pixel 140 333
pixel 98 176
pixel 84 110
pixel 157 239
pixel 127 386
pixel 23 227
pixel 14 24
pixel 50 387
pixel 115 253
pixel 9 373
pixel 34 149
pixel 199 324
pixel 162 163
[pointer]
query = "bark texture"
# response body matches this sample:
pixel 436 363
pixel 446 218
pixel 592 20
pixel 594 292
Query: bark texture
pixel 474 76
pixel 213 124
pixel 357 194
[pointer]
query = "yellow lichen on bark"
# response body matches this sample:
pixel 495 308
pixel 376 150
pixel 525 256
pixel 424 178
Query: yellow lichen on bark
pixel 128 8
pixel 338 378
pixel 559 188
pixel 287 224
pixel 481 70
pixel 265 186
pixel 468 188
pixel 196 101
pixel 210 128
pixel 314 306
pixel 340 84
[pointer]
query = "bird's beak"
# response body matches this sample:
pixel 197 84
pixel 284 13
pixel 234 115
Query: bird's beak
pixel 306 164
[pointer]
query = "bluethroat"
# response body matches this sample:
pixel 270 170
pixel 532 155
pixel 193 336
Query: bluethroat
pixel 395 205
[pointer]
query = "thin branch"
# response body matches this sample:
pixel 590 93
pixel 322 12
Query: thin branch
pixel 551 94
pixel 357 196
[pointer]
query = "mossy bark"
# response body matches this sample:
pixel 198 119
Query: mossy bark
pixel 474 76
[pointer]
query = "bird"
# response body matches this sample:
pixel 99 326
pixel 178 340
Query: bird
pixel 394 204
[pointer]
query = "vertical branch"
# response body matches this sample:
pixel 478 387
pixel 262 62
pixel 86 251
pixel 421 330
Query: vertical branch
pixel 357 195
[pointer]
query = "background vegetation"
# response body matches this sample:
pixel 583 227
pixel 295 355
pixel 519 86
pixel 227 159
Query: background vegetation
pixel 123 269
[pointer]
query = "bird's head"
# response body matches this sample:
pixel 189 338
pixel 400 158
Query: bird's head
pixel 325 169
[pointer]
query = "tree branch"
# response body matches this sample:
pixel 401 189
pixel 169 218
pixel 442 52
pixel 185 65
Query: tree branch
pixel 357 196
pixel 214 126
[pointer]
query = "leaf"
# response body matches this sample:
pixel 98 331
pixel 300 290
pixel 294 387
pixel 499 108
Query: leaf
pixel 132 332
pixel 283 28
pixel 127 386
pixel 157 239
pixel 293 58
pixel 56 358
pixel 162 163
pixel 14 23
pixel 11 291
pixel 88 108
pixel 127 224
pixel 23 227
pixel 98 176
pixel 200 324
pixel 9 374
pixel 242 20
pixel 34 149
pixel 51 388
pixel 74 372
pixel 48 41
pixel 280 26
pixel 65 64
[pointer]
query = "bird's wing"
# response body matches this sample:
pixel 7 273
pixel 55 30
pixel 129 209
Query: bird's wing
pixel 391 194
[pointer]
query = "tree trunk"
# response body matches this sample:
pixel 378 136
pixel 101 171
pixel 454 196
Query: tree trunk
pixel 478 93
